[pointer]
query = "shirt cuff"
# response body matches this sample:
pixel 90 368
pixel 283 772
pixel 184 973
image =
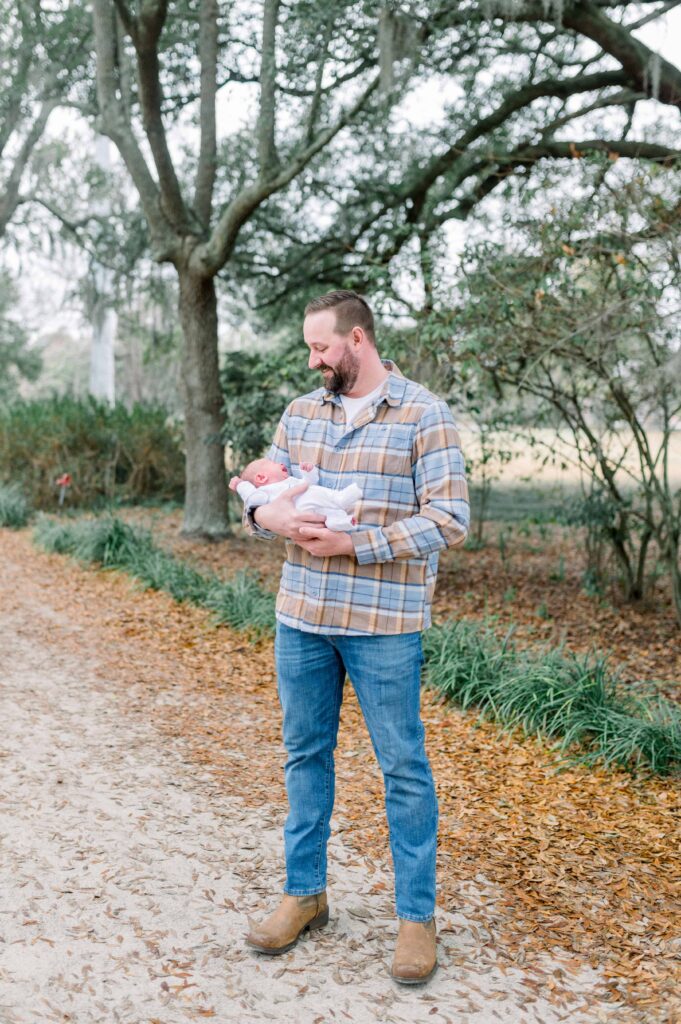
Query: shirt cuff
pixel 252 527
pixel 371 546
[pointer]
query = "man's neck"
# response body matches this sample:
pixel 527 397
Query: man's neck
pixel 367 381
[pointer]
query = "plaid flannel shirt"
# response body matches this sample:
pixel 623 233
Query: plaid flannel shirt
pixel 404 452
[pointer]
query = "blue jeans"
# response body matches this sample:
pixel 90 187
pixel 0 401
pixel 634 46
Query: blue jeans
pixel 386 674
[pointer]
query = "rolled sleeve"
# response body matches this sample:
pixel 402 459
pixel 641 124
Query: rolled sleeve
pixel 439 474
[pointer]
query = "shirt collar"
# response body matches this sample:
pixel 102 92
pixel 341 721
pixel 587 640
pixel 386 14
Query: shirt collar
pixel 393 387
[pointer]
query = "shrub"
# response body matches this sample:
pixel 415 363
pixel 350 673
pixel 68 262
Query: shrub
pixel 111 454
pixel 14 510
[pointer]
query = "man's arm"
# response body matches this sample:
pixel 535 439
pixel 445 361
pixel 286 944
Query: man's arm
pixel 441 491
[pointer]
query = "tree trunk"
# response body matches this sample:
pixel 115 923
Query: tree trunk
pixel 102 365
pixel 672 559
pixel 104 317
pixel 205 509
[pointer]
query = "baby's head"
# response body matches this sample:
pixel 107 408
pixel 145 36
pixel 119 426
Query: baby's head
pixel 264 471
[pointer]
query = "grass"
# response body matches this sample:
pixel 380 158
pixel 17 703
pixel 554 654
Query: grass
pixel 574 701
pixel 523 502
pixel 240 603
pixel 14 509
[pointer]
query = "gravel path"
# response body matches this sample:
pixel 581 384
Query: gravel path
pixel 127 877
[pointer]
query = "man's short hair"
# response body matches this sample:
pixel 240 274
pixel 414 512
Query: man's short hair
pixel 351 311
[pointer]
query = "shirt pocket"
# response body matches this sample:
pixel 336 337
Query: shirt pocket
pixel 382 450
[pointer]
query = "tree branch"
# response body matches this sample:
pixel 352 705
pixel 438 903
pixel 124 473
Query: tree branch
pixel 648 71
pixel 73 226
pixel 129 22
pixel 626 99
pixel 14 94
pixel 527 156
pixel 652 15
pixel 315 104
pixel 209 257
pixel 268 160
pixel 9 200
pixel 208 57
pixel 146 30
pixel 116 125
pixel 511 104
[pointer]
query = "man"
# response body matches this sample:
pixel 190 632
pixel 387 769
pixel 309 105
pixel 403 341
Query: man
pixel 357 602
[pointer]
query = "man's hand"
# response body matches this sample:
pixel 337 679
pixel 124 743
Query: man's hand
pixel 281 515
pixel 323 542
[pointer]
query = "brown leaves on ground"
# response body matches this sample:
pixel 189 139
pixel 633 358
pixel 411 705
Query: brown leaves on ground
pixel 588 862
pixel 536 587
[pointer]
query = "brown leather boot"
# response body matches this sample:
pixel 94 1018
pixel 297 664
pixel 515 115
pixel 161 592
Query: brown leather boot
pixel 282 929
pixel 415 957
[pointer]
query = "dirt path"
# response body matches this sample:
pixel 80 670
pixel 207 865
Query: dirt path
pixel 127 872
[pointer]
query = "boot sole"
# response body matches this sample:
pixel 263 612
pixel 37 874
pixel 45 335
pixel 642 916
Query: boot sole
pixel 317 922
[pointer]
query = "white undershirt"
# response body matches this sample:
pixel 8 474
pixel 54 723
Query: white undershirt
pixel 353 405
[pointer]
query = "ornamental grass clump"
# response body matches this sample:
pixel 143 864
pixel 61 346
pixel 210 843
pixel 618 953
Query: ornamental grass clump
pixel 576 700
pixel 243 604
pixel 14 509
pixel 55 536
pixel 111 543
pixel 160 571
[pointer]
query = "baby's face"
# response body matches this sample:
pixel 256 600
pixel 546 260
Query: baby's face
pixel 266 471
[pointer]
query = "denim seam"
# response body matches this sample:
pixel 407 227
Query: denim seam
pixel 326 817
pixel 322 826
pixel 303 892
pixel 418 920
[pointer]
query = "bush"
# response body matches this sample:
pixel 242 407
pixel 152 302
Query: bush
pixel 110 454
pixel 14 510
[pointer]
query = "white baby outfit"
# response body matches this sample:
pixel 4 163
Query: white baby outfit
pixel 324 501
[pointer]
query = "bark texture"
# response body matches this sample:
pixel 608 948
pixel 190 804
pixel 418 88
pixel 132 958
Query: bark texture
pixel 205 510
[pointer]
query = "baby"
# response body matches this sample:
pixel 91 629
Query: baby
pixel 263 480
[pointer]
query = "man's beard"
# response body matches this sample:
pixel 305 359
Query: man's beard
pixel 344 375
